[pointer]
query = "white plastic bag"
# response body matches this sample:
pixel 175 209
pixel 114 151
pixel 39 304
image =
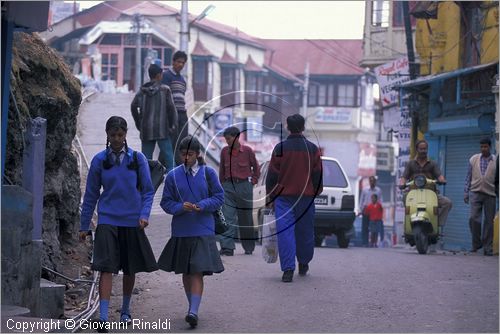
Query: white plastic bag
pixel 269 238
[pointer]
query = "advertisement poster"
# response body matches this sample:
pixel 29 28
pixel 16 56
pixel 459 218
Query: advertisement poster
pixel 390 74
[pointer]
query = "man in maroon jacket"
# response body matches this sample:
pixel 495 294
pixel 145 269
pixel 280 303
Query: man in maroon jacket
pixel 238 172
pixel 294 178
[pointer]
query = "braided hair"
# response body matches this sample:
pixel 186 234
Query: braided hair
pixel 118 123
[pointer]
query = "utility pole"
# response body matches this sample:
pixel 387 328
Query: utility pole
pixel 413 74
pixel 138 65
pixel 305 91
pixel 184 33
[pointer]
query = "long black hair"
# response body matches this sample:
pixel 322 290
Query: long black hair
pixel 118 123
pixel 190 143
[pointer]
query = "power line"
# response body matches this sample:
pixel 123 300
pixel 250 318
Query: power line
pixel 351 65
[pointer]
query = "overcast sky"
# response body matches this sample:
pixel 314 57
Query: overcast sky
pixel 283 19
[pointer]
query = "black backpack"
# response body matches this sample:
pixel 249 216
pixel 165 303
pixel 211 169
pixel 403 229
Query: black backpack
pixel 156 169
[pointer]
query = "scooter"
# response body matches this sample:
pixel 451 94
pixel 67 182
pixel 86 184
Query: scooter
pixel 421 213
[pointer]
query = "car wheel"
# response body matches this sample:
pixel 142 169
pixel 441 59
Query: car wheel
pixel 318 240
pixel 342 240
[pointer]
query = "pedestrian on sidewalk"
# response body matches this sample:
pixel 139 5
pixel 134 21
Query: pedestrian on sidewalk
pixel 155 117
pixel 480 193
pixel 364 201
pixel 293 180
pixel 173 78
pixel 238 172
pixel 375 213
pixel 123 211
pixel 192 193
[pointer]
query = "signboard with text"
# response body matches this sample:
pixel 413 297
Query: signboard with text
pixel 389 75
pixel 404 135
pixel 334 115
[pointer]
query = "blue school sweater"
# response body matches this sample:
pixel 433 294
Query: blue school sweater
pixel 182 187
pixel 119 203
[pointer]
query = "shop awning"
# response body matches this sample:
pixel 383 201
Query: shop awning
pixel 427 80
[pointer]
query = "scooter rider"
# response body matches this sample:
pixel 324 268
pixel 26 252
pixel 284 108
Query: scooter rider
pixel 423 165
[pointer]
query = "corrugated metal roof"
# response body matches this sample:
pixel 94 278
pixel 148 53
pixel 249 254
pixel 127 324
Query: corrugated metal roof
pixel 227 58
pixel 443 76
pixel 325 56
pixel 251 66
pixel 200 50
pixel 120 27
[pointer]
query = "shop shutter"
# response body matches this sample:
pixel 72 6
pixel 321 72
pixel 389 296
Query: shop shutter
pixel 458 151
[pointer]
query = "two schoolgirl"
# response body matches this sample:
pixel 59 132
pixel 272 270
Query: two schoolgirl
pixel 191 194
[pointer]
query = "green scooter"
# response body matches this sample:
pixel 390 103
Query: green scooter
pixel 421 213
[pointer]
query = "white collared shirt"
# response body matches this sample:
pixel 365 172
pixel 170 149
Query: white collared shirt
pixel 195 168
pixel 122 154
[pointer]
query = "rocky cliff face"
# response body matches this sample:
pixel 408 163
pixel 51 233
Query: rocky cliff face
pixel 42 85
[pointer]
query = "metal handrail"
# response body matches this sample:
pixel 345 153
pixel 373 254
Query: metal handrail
pixel 207 138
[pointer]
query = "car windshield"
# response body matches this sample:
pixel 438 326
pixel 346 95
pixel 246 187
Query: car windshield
pixel 332 175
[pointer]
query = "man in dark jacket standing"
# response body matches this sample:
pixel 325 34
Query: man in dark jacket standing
pixel 155 117
pixel 293 179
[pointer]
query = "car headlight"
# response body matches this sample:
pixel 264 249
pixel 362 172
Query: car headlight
pixel 420 181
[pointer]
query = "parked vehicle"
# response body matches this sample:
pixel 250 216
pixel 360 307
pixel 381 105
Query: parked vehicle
pixel 421 213
pixel 334 206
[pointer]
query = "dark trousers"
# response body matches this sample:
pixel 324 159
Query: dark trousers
pixel 482 203
pixel 182 132
pixel 295 228
pixel 238 199
pixel 364 230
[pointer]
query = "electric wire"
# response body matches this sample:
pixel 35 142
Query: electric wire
pixel 351 65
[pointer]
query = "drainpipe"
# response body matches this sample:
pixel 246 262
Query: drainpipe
pixel 413 74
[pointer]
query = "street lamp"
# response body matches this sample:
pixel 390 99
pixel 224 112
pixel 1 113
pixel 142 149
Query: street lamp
pixel 203 14
pixel 185 26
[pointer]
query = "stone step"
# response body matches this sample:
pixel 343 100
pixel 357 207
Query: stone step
pixel 14 311
pixel 51 300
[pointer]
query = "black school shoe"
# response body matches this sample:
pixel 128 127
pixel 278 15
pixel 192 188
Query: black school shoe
pixel 102 326
pixel 287 276
pixel 191 319
pixel 303 269
pixel 226 252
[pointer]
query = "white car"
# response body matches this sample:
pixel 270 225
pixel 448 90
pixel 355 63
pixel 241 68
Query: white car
pixel 334 206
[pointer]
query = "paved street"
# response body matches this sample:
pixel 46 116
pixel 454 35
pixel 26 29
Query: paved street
pixel 355 290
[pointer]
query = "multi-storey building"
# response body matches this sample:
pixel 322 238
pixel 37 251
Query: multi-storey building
pixel 384 43
pixel 453 99
pixel 234 78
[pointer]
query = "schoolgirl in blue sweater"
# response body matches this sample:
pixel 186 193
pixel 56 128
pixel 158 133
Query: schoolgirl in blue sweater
pixel 192 193
pixel 123 209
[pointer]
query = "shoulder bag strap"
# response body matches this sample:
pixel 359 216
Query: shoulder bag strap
pixel 206 179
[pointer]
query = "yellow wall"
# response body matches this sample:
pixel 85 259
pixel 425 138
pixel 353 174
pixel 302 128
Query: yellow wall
pixel 442 44
pixel 445 43
pixel 489 45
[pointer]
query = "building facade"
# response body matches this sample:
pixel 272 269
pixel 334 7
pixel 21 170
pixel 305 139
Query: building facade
pixel 458 47
pixel 384 46
pixel 235 78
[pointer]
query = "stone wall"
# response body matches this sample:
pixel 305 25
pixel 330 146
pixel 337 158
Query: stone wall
pixel 42 85
pixel 20 263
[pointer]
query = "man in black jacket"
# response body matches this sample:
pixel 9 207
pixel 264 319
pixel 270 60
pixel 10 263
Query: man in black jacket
pixel 155 117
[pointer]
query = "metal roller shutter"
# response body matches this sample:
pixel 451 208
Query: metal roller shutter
pixel 458 151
